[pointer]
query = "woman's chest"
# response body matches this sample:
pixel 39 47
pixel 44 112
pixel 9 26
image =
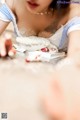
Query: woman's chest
pixel 36 25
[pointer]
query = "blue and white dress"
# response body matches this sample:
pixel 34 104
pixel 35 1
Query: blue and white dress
pixel 60 38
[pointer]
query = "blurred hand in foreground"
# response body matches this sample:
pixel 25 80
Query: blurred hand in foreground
pixel 62 99
pixel 6 47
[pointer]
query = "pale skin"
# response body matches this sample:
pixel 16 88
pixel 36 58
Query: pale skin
pixel 27 18
pixel 62 97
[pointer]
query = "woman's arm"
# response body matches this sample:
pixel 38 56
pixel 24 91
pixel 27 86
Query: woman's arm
pixel 3 26
pixel 5 39
pixel 10 3
pixel 74 43
pixel 74 36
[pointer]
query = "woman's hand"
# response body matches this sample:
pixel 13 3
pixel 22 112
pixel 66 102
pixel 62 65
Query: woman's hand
pixel 62 99
pixel 6 46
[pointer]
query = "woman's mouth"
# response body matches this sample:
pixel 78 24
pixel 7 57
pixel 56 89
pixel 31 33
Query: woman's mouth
pixel 32 5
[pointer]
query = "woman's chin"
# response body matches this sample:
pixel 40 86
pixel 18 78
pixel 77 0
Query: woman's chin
pixel 32 7
pixel 30 10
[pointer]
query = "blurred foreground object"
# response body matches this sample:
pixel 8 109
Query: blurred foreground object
pixel 21 85
pixel 62 99
pixel 6 47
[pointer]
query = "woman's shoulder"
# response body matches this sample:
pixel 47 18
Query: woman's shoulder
pixel 74 10
pixel 10 4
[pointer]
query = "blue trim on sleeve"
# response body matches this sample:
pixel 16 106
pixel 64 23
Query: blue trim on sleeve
pixel 8 15
pixel 71 23
pixel 5 11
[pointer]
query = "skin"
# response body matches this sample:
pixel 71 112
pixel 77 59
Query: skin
pixel 27 18
pixel 43 5
pixel 62 99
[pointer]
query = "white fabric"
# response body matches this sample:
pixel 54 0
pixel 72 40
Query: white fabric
pixel 73 28
pixel 55 38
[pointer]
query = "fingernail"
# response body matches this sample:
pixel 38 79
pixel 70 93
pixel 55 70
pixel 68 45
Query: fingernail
pixel 11 54
pixel 3 53
pixel 8 36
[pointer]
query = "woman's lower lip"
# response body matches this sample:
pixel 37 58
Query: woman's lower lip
pixel 32 5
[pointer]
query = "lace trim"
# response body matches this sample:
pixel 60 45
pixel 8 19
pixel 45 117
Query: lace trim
pixel 33 43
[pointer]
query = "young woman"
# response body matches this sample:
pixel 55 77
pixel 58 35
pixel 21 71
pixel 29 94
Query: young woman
pixel 44 19
pixel 53 19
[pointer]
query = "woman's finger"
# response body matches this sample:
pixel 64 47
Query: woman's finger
pixel 6 45
pixel 12 52
pixel 8 42
pixel 3 49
